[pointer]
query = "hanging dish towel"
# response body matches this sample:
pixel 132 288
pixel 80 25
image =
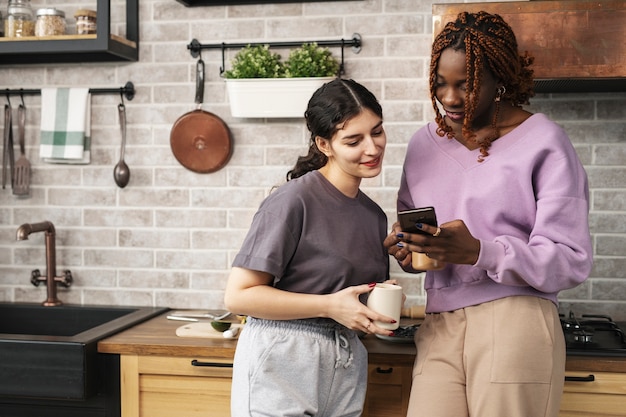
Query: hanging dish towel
pixel 65 125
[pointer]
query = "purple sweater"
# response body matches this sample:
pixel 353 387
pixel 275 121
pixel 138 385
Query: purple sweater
pixel 527 203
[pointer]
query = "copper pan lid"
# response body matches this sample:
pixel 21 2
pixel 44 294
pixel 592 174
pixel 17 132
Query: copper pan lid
pixel 201 141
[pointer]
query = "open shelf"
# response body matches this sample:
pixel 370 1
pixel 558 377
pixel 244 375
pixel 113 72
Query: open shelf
pixel 101 47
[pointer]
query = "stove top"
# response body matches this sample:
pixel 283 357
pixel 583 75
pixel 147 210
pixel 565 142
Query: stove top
pixel 593 335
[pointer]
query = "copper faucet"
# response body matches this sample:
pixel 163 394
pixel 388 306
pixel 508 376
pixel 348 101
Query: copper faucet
pixel 51 266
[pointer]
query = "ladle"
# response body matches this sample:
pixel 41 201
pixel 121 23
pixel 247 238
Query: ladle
pixel 121 173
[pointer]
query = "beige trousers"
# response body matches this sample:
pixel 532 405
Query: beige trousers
pixel 504 358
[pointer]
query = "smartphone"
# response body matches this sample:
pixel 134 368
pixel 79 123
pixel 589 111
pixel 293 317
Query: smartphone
pixel 424 215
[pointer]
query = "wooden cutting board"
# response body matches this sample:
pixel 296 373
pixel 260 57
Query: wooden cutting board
pixel 204 329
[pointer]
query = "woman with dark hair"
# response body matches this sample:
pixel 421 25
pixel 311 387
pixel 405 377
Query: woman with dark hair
pixel 314 247
pixel 512 199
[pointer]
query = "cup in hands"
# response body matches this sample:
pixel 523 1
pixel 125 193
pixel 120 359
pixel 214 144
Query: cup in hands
pixel 386 299
pixel 421 262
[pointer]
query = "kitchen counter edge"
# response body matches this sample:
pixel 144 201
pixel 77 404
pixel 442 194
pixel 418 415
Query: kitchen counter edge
pixel 157 336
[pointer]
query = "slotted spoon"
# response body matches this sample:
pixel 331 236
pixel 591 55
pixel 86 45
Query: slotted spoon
pixel 21 172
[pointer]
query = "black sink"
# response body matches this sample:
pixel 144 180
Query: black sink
pixel 51 352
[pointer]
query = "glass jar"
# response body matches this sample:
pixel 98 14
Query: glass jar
pixel 20 21
pixel 50 22
pixel 85 22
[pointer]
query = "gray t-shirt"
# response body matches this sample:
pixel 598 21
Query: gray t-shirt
pixel 314 239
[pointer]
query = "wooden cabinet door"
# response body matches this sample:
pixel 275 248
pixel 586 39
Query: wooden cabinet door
pixel 388 389
pixel 154 386
pixel 595 394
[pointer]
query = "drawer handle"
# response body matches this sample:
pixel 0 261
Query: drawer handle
pixel 588 378
pixel 384 371
pixel 196 362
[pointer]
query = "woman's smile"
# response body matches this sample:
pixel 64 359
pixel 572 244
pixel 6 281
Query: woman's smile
pixel 455 116
pixel 373 163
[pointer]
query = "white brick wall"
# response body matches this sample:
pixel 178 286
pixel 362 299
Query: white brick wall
pixel 168 238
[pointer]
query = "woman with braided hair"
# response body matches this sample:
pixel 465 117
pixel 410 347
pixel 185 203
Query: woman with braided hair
pixel 511 197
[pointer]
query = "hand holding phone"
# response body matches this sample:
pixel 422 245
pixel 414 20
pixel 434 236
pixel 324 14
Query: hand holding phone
pixel 408 219
pixel 424 215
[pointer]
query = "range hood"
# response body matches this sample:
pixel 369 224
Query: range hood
pixel 579 46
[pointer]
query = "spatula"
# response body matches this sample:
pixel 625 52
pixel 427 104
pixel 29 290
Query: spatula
pixel 21 177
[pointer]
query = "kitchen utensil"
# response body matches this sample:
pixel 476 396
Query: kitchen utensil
pixel 7 149
pixel 121 172
pixel 200 140
pixel 204 330
pixel 197 316
pixel 21 178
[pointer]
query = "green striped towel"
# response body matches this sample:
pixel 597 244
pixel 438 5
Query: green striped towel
pixel 65 125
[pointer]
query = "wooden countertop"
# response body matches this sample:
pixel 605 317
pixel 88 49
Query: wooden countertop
pixel 157 336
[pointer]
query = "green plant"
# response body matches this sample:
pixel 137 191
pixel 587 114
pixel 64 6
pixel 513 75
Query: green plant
pixel 311 60
pixel 257 61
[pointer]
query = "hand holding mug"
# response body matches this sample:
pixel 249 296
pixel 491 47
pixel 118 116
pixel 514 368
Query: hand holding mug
pixel 386 299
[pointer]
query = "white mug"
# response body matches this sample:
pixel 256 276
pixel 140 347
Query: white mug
pixel 386 299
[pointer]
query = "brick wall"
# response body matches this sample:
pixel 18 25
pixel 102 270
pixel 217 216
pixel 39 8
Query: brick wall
pixel 168 238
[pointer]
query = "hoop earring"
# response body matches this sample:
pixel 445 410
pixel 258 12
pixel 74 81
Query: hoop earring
pixel 499 93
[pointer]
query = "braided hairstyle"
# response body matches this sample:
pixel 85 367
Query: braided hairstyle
pixel 489 44
pixel 329 107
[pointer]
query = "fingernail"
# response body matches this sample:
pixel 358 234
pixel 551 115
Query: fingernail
pixel 400 244
pixel 371 284
pixel 392 334
pixel 418 225
pixel 400 235
pixel 393 321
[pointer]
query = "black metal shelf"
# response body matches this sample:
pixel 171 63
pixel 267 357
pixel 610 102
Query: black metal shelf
pixel 195 47
pixel 128 91
pixel 103 47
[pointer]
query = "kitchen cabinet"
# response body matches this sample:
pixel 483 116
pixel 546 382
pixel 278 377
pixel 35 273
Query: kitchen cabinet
pixel 157 386
pixel 604 396
pixel 101 47
pixel 160 386
pixel 158 378
pixel 594 387
pixel 388 389
pixel 578 46
pixel 163 375
pixel 389 376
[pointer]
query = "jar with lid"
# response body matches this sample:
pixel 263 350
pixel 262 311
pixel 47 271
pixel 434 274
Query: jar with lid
pixel 85 22
pixel 20 21
pixel 50 22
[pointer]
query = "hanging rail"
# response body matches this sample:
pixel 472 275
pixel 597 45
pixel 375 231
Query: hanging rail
pixel 195 47
pixel 128 91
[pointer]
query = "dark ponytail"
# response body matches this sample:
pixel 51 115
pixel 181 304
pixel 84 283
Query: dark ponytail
pixel 331 105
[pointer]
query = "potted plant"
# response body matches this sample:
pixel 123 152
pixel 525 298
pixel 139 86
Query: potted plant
pixel 261 85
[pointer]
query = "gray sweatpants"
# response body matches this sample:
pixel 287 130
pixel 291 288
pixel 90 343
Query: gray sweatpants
pixel 298 368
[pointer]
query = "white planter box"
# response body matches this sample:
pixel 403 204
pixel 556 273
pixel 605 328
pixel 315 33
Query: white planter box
pixel 271 97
